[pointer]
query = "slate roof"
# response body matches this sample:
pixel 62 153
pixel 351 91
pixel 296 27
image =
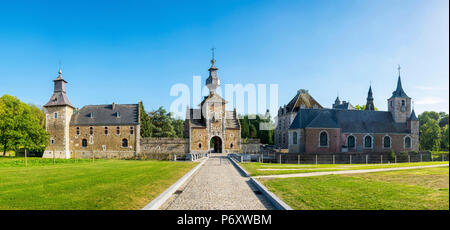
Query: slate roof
pixel 344 105
pixel 302 97
pixel 197 120
pixel 107 115
pixel 349 121
pixel 413 116
pixel 58 99
pixel 399 91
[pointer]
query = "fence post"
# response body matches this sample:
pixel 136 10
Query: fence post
pixel 381 158
pixel 350 158
pixel 334 159
pixel 409 158
pixel 421 157
pixel 280 158
pixel 298 159
pixel 395 157
pixel 316 159
pixel 262 158
pixel 242 158
pixel 442 157
pixel 367 159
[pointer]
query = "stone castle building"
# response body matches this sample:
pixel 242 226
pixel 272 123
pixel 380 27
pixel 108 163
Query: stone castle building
pixel 107 131
pixel 211 128
pixel 287 113
pixel 345 130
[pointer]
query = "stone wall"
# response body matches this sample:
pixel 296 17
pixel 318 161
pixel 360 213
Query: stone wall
pixel 164 145
pixel 251 146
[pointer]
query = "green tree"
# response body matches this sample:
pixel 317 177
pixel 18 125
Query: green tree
pixel 445 138
pixel 363 107
pixel 162 123
pixel 245 130
pixel 253 131
pixel 20 126
pixel 430 135
pixel 146 125
pixel 178 125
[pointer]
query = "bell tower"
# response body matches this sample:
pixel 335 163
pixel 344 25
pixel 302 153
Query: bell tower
pixel 58 112
pixel 369 103
pixel 399 104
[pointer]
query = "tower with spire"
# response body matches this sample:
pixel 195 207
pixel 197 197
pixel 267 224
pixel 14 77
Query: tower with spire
pixel 58 112
pixel 399 104
pixel 369 103
pixel 212 82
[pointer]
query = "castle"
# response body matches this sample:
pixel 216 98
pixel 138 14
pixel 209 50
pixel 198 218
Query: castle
pixel 344 129
pixel 113 130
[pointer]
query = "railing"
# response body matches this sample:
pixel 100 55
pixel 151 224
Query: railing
pixel 339 158
pixel 194 156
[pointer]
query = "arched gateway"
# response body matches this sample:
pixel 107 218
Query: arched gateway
pixel 216 144
pixel 211 128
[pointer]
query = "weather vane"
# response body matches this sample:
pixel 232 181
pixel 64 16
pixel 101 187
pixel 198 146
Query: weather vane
pixel 398 70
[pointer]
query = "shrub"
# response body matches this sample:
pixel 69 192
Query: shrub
pixel 392 156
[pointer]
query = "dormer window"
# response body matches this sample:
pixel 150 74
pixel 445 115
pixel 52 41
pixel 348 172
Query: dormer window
pixel 91 115
pixel 118 114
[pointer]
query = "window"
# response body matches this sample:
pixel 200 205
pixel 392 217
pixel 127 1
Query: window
pixel 387 142
pixel 118 114
pixel 52 141
pixel 392 104
pixel 91 130
pixel 199 145
pixel 294 138
pixel 124 143
pixel 55 115
pixel 131 130
pixel 368 142
pixel 407 142
pixel 231 146
pixel 84 143
pixel 78 131
pixel 403 102
pixel 117 130
pixel 323 139
pixel 106 131
pixel 91 115
pixel 351 141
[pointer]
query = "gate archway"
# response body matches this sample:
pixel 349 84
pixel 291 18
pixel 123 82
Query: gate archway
pixel 216 144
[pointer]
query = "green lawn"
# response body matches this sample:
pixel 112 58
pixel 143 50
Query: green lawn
pixel 258 169
pixel 83 184
pixel 414 189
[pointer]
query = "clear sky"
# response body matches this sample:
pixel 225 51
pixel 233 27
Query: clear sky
pixel 127 51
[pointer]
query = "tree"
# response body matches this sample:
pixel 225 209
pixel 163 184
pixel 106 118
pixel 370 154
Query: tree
pixel 146 125
pixel 162 123
pixel 253 131
pixel 178 125
pixel 363 107
pixel 430 135
pixel 245 130
pixel 21 126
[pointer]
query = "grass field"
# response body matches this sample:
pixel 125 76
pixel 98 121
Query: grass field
pixel 258 169
pixel 414 189
pixel 83 184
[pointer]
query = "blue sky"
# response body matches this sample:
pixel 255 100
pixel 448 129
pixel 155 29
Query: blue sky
pixel 129 51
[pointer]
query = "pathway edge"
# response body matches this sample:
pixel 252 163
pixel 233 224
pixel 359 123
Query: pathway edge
pixel 156 203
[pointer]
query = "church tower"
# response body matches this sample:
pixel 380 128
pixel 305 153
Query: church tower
pixel 369 103
pixel 58 112
pixel 399 104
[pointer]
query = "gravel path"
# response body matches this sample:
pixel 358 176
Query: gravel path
pixel 217 186
pixel 346 172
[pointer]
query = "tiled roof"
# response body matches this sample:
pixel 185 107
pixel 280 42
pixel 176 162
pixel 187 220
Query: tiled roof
pixel 107 115
pixel 58 99
pixel 349 121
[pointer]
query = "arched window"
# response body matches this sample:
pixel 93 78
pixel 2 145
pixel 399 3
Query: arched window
pixel 403 102
pixel 231 146
pixel 117 130
pixel 368 142
pixel 91 130
pixel 351 141
pixel 323 139
pixel 407 142
pixel 294 138
pixel 124 143
pixel 199 145
pixel 84 143
pixel 106 130
pixel 131 130
pixel 387 142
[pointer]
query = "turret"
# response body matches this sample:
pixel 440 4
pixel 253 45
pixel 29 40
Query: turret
pixel 58 112
pixel 399 104
pixel 369 103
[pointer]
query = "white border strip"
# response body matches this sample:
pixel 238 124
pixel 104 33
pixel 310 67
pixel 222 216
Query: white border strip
pixel 156 203
pixel 274 199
